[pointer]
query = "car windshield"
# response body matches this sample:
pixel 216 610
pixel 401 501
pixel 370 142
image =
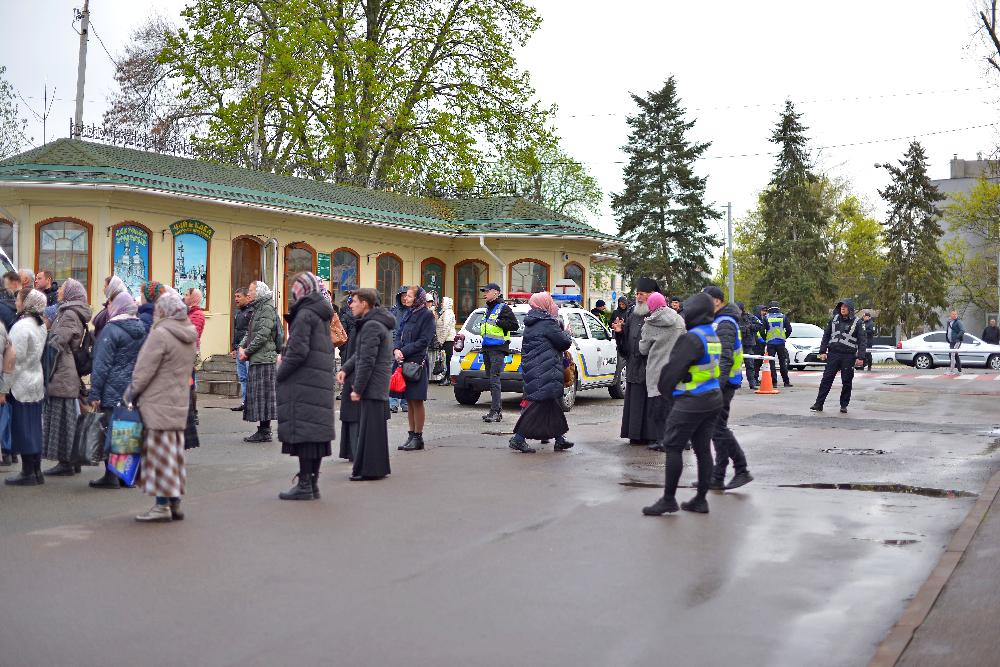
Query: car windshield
pixel 802 330
pixel 476 318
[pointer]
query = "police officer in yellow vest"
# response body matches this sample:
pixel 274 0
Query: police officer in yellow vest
pixel 496 328
pixel 692 375
pixel 778 329
pixel 727 448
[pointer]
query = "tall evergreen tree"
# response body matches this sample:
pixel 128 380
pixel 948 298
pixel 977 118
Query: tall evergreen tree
pixel 662 213
pixel 914 281
pixel 793 251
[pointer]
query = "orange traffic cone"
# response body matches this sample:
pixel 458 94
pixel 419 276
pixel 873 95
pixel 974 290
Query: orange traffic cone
pixel 766 386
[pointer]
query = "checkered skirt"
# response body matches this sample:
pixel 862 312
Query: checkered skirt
pixel 58 427
pixel 163 472
pixel 262 398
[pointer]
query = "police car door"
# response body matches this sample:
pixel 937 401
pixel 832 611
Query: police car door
pixel 583 347
pixel 607 352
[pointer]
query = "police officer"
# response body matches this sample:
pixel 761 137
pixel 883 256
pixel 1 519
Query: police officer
pixel 866 319
pixel 778 330
pixel 761 347
pixel 692 374
pixel 495 329
pixel 843 347
pixel 748 337
pixel 727 448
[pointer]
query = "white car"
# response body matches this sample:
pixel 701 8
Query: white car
pixel 882 353
pixel 594 351
pixel 803 345
pixel 931 349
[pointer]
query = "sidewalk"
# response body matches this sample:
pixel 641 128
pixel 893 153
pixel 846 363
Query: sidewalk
pixel 953 618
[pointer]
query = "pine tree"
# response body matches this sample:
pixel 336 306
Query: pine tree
pixel 914 281
pixel 793 252
pixel 662 214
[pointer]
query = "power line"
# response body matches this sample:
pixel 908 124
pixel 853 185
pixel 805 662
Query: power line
pixel 110 57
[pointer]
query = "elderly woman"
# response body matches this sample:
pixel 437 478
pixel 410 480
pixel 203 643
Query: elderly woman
pixel 115 354
pixel 305 385
pixel 662 328
pixel 160 388
pixel 148 295
pixel 113 286
pixel 260 349
pixel 415 333
pixel 542 362
pixel 62 403
pixel 23 386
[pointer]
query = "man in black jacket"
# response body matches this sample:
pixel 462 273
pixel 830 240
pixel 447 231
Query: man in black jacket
pixel 991 334
pixel 241 319
pixel 45 284
pixel 499 322
pixel 692 376
pixel 843 347
pixel 866 320
pixel 749 327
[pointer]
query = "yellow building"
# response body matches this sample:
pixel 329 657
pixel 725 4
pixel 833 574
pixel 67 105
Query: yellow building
pixel 88 210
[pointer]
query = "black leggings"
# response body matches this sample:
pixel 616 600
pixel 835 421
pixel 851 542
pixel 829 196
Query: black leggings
pixel 309 466
pixel 449 347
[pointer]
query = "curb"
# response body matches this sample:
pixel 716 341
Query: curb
pixel 891 649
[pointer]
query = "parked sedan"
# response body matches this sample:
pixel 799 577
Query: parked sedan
pixel 931 349
pixel 803 345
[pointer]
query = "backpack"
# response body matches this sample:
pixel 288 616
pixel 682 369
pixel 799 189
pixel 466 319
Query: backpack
pixel 50 356
pixel 83 355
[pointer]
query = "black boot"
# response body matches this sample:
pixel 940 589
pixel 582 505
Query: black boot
pixel 61 469
pixel 740 479
pixel 109 481
pixel 262 435
pixel 27 475
pixel 562 444
pixel 520 445
pixel 414 443
pixel 176 513
pixel 656 447
pixel 238 408
pixel 717 485
pixel 816 407
pixel 315 485
pixel 697 504
pixel 303 490
pixel 36 463
pixel 409 439
pixel 662 506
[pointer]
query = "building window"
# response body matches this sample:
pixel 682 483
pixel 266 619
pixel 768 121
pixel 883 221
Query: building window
pixel 343 273
pixel 432 276
pixel 299 258
pixel 388 272
pixel 7 238
pixel 63 247
pixel 575 272
pixel 529 275
pixel 470 276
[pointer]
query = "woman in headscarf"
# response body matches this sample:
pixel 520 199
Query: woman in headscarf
pixel 415 333
pixel 260 348
pixel 113 286
pixel 62 402
pixel 542 350
pixel 115 354
pixel 23 386
pixel 160 388
pixel 148 295
pixel 662 328
pixel 305 385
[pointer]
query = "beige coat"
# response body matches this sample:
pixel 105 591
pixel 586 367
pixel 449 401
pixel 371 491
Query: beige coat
pixel 162 376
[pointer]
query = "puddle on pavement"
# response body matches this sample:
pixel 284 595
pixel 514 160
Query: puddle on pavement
pixel 886 488
pixel 890 543
pixel 637 484
pixel 854 452
pixel 498 433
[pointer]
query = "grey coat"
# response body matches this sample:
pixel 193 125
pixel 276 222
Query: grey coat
pixel 372 359
pixel 67 332
pixel 635 360
pixel 305 375
pixel 659 333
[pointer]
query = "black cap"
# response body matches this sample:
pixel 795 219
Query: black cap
pixel 714 292
pixel 646 285
pixel 600 302
pixel 490 286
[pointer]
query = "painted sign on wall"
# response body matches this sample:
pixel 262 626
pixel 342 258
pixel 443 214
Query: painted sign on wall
pixel 131 257
pixel 191 255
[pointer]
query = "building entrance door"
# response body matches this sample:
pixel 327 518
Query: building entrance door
pixel 299 257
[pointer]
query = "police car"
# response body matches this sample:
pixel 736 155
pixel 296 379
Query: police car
pixel 594 352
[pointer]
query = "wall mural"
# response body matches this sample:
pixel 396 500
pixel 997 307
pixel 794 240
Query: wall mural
pixel 131 257
pixel 191 255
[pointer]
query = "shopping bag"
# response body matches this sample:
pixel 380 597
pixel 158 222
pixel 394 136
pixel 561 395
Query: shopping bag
pixel 125 467
pixel 397 383
pixel 88 440
pixel 125 434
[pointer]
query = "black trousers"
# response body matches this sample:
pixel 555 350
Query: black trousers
pixel 781 353
pixel 683 428
pixel 727 448
pixel 837 362
pixel 752 366
pixel 869 360
pixel 493 357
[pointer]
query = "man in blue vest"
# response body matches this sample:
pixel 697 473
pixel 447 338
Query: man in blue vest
pixel 778 330
pixel 727 448
pixel 843 347
pixel 496 328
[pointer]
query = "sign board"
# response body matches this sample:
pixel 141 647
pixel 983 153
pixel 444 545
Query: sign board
pixel 323 266
pixel 131 256
pixel 191 247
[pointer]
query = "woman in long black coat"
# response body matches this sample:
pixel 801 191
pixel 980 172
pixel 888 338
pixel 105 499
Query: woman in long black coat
pixel 350 411
pixel 417 330
pixel 542 366
pixel 304 385
pixel 368 367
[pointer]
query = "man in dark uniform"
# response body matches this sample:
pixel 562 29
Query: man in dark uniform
pixel 749 327
pixel 779 328
pixel 866 319
pixel 843 347
pixel 498 324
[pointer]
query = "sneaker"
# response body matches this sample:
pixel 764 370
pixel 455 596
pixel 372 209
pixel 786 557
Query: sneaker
pixel 816 407
pixel 404 408
pixel 789 384
pixel 716 485
pixel 159 514
pixel 562 445
pixel 238 408
pixel 696 504
pixel 393 409
pixel 521 446
pixel 843 409
pixel 738 480
pixel 493 417
pixel 260 436
pixel 661 506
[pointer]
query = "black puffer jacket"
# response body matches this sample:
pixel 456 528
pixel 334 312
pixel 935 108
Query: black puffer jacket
pixel 542 346
pixel 304 377
pixel 370 363
pixel 698 310
pixel 850 325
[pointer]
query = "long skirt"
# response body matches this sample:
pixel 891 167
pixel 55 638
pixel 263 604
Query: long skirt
pixel 542 420
pixel 163 472
pixel 262 397
pixel 638 416
pixel 371 440
pixel 25 426
pixel 191 431
pixel 58 427
pixel 347 439
pixel 307 450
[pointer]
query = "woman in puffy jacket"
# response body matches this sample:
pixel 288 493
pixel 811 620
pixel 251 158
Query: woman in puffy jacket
pixel 542 350
pixel 413 338
pixel 22 385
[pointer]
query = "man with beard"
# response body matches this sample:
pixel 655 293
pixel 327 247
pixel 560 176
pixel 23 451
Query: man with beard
pixel 638 422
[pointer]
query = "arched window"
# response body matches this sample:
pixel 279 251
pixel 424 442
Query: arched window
pixel 388 277
pixel 62 246
pixel 432 276
pixel 575 272
pixel 345 264
pixel 470 276
pixel 7 238
pixel 529 275
pixel 299 258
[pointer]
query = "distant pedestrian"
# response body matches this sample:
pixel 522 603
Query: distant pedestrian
pixel 411 341
pixel 954 333
pixel 749 326
pixel 498 323
pixel 365 376
pixel 660 332
pixel 542 348
pixel 260 350
pixel 446 336
pixel 28 280
pixel 22 385
pixel 240 319
pixel 866 320
pixel 638 415
pixel 397 310
pixel 991 334
pixel 160 389
pixel 779 328
pixel 305 385
pixel 842 348
pixel 600 311
pixel 677 304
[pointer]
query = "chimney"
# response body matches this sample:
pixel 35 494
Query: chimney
pixel 957 167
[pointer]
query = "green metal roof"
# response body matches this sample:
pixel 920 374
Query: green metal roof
pixel 75 161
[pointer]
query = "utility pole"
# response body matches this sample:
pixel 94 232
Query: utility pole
pixel 81 67
pixel 729 239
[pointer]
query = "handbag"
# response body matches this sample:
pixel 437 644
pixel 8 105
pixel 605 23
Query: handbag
pixel 412 371
pixel 338 336
pixel 569 370
pixel 125 433
pixel 397 383
pixel 88 440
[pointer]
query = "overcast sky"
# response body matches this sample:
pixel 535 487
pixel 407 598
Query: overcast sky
pixel 871 71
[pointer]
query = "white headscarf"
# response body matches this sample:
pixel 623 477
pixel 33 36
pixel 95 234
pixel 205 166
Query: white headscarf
pixel 263 291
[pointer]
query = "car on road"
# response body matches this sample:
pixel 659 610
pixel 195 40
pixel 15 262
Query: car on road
pixel 882 353
pixel 931 349
pixel 803 345
pixel 594 352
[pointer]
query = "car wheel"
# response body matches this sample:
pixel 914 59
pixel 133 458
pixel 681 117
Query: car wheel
pixel 617 390
pixel 569 396
pixel 467 396
pixel 923 362
pixel 994 362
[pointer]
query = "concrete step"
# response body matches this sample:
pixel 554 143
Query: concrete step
pixel 209 376
pixel 219 388
pixel 219 363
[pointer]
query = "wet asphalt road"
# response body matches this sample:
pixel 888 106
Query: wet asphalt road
pixel 472 554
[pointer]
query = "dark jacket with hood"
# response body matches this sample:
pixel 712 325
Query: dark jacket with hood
pixel 850 325
pixel 542 346
pixel 52 294
pixel 749 328
pixel 115 353
pixel 415 330
pixel 369 366
pixel 991 335
pixel 240 322
pixel 619 314
pixel 688 350
pixel 304 379
pixel 507 321
pixel 728 333
pixel 397 309
pixel 146 316
pixel 67 333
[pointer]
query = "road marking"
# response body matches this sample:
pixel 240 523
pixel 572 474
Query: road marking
pixel 887 377
pixel 927 377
